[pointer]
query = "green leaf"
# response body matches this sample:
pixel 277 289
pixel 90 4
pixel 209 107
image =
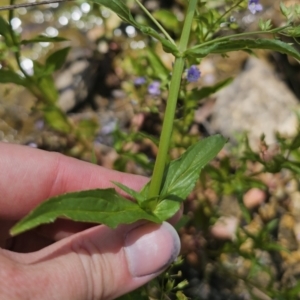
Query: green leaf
pixel 160 70
pixel 43 38
pixel 265 25
pixel 294 32
pixel 41 70
pixel 167 19
pixel 4 28
pixel 166 208
pixel 243 44
pixel 87 128
pixel 96 206
pixel 138 294
pixel 181 175
pixel 7 76
pixel 145 135
pixel 118 7
pixel 43 78
pixel 272 225
pixel 48 89
pixel 135 195
pixel 56 119
pixel 292 165
pixel 181 296
pixel 296 142
pixel 56 60
pixel 270 246
pixel 209 90
pixel 284 10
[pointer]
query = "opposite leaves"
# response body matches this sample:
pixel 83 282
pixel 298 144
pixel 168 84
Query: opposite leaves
pixel 109 208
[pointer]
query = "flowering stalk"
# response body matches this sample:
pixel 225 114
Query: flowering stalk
pixel 167 127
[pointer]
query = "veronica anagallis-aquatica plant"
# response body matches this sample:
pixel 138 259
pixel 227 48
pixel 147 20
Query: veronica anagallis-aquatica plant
pixel 172 182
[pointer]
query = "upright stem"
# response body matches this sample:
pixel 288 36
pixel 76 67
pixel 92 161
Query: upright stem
pixel 167 127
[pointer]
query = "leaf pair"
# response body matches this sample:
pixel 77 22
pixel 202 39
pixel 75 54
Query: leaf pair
pixel 109 208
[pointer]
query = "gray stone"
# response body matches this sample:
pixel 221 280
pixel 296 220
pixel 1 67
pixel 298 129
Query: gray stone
pixel 256 102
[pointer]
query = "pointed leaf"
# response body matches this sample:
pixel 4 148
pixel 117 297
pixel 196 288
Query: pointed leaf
pixel 56 60
pixel 292 165
pixel 161 71
pixel 43 38
pixel 7 76
pixel 167 19
pixel 48 89
pixel 296 142
pixel 243 44
pixel 153 139
pixel 294 32
pixel 208 90
pixel 118 7
pixel 135 195
pixel 96 206
pixel 181 174
pixel 4 27
pixel 56 119
pixel 167 208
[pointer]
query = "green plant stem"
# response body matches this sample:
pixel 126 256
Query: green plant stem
pixel 145 10
pixel 15 42
pixel 17 54
pixel 167 127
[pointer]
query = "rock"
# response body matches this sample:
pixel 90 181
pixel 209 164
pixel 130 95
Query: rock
pixel 76 79
pixel 256 102
pixel 225 228
pixel 254 197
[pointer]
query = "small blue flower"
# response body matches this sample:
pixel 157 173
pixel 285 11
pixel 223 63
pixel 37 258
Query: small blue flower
pixel 154 88
pixel 193 74
pixel 254 6
pixel 139 81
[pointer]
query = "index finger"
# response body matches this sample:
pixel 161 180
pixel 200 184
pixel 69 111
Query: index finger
pixel 28 176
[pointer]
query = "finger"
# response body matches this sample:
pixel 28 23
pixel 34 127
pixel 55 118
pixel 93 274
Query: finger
pixel 62 228
pixel 29 176
pixel 99 263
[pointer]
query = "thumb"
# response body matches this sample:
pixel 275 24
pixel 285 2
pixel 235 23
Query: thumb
pixel 98 263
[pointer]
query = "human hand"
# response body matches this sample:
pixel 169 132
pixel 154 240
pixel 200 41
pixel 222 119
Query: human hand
pixel 72 260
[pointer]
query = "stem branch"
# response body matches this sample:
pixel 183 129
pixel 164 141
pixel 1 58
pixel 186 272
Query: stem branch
pixel 228 37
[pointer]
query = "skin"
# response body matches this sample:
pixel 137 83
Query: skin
pixel 67 260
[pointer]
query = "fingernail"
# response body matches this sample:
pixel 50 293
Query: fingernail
pixel 150 248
